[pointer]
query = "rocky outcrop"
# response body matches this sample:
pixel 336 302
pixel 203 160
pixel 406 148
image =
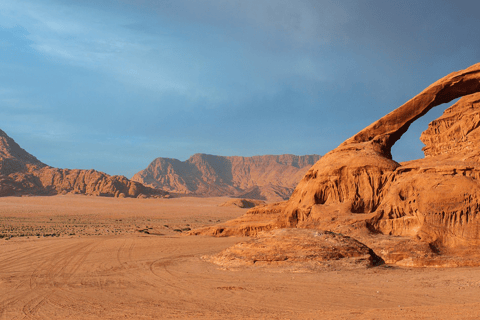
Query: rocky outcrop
pixel 437 198
pixel 260 177
pixel 356 173
pixel 242 203
pixel 23 174
pixel 357 188
pixel 298 250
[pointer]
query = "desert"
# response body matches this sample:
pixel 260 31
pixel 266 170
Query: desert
pixel 111 268
pixel 268 159
pixel 361 236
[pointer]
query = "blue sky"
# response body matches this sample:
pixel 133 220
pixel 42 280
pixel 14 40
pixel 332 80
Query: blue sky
pixel 111 85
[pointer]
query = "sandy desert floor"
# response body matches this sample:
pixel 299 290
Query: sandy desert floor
pixel 78 257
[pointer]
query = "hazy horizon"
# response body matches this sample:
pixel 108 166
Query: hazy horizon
pixel 112 85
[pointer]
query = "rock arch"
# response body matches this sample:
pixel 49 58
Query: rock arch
pixel 384 132
pixel 358 184
pixel 360 177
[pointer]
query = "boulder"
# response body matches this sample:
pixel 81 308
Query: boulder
pixel 297 250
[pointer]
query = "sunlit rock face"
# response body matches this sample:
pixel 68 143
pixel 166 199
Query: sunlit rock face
pixel 434 199
pixel 268 177
pixel 358 189
pixel 437 198
pixel 456 131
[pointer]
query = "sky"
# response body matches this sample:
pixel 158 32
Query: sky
pixel 112 85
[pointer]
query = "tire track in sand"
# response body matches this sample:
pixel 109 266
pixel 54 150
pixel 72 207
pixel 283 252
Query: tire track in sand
pixel 48 278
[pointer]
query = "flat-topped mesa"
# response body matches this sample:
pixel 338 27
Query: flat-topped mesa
pixel 383 134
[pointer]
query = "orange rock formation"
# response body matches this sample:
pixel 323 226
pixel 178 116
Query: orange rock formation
pixel 260 177
pixel 357 188
pixel 21 173
pixel 242 203
pixel 298 250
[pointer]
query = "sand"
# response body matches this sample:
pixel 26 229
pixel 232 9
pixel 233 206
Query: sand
pixel 80 257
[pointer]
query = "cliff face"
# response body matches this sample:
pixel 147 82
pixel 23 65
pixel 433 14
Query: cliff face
pixel 270 177
pixel 438 198
pixel 456 131
pixel 359 190
pixel 21 173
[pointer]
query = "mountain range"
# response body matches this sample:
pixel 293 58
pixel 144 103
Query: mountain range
pixel 268 177
pixel 23 174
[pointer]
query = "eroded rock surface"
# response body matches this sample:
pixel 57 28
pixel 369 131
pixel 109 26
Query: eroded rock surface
pixel 23 174
pixel 359 172
pixel 456 131
pixel 269 177
pixel 437 199
pixel 298 250
pixel 359 190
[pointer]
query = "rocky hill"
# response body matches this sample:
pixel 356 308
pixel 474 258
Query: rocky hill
pixel 414 213
pixel 23 174
pixel 269 177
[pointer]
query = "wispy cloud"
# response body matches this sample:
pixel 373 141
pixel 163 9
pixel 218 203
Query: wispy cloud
pixel 189 60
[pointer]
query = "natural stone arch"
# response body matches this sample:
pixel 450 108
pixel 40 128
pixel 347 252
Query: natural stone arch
pixel 384 132
pixel 430 205
pixel 354 175
pixel 358 185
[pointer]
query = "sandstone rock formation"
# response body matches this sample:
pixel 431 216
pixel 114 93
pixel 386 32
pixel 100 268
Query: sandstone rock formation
pixel 358 173
pixel 456 131
pixel 298 250
pixel 242 203
pixel 260 177
pixel 23 174
pixel 357 188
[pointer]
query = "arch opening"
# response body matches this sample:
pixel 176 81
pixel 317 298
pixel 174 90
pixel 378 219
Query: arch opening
pixel 384 133
pixel 409 147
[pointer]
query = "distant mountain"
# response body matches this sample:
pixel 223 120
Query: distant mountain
pixel 23 174
pixel 269 177
pixel 9 149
